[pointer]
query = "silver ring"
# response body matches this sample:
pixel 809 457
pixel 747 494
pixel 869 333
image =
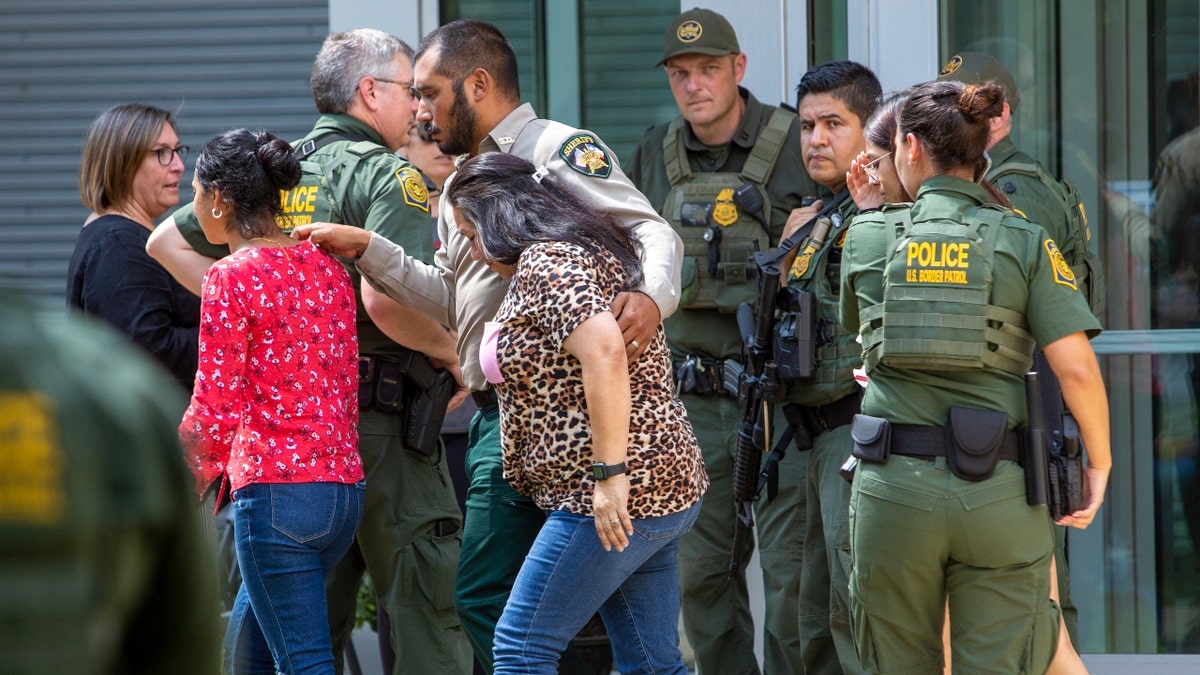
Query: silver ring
pixel 613 522
pixel 635 344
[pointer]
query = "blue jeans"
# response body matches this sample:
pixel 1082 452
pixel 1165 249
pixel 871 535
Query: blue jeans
pixel 568 576
pixel 288 536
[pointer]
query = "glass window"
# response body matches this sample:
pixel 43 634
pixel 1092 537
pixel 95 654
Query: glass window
pixel 1109 100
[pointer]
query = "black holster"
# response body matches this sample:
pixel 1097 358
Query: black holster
pixel 1067 481
pixel 795 335
pixel 411 387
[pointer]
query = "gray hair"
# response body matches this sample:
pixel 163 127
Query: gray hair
pixel 345 59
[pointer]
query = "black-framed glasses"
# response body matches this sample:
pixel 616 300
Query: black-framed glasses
pixel 412 91
pixel 165 155
pixel 871 168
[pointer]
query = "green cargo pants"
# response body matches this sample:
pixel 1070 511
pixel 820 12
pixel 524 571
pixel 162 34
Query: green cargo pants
pixel 919 534
pixel 409 543
pixel 716 609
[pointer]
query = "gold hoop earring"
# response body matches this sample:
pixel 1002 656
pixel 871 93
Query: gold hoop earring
pixel 216 213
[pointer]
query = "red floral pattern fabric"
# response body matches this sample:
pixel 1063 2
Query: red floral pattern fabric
pixel 276 392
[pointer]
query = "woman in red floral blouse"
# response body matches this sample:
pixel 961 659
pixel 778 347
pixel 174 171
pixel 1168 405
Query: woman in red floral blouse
pixel 274 408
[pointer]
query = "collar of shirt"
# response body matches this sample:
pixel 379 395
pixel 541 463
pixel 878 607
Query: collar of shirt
pixel 1002 151
pixel 935 193
pixel 502 137
pixel 747 131
pixel 348 124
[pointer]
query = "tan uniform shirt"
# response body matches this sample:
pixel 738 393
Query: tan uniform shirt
pixel 463 293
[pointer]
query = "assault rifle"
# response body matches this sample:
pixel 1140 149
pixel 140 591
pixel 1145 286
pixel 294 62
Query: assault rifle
pixel 756 383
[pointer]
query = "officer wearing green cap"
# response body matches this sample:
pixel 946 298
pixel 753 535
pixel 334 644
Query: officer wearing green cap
pixel 1034 191
pixel 690 168
pixel 1049 202
pixel 102 560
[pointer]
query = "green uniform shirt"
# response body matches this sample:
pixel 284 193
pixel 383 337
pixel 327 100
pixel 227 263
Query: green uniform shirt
pixel 379 199
pixel 1024 279
pixel 102 560
pixel 709 331
pixel 1030 196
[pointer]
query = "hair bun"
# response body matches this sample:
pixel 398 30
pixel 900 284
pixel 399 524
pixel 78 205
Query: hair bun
pixel 981 101
pixel 279 163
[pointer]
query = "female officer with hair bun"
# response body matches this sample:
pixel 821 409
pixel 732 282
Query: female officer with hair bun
pixel 951 294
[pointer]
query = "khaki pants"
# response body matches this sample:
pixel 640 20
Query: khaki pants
pixel 716 609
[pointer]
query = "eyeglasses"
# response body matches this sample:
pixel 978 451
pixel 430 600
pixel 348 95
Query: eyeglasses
pixel 871 168
pixel 165 155
pixel 412 91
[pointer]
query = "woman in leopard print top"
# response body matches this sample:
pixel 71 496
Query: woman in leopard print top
pixel 573 411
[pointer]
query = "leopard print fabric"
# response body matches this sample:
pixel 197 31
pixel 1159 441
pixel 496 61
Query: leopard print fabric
pixel 543 412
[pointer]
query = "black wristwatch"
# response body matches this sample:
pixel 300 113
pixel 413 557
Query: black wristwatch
pixel 606 471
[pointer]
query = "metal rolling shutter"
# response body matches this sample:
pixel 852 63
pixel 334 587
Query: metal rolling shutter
pixel 218 65
pixel 623 93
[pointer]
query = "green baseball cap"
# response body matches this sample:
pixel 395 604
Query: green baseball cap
pixel 699 31
pixel 973 67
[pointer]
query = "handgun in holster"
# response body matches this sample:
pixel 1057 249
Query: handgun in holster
pixel 425 407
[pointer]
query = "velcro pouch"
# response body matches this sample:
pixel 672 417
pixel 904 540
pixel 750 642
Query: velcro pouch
pixel 977 436
pixel 872 438
pixel 389 387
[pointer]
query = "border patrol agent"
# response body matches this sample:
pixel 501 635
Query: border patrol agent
pixel 834 101
pixel 409 539
pixel 938 504
pixel 1035 192
pixel 103 562
pixel 1049 202
pixel 690 168
pixel 466 76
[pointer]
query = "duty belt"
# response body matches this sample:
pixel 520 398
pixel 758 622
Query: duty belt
pixel 699 374
pixel 818 419
pixel 929 442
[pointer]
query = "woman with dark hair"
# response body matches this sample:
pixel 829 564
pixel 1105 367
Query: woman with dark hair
pixel 602 445
pixel 872 178
pixel 274 412
pixel 129 176
pixel 873 181
pixel 951 294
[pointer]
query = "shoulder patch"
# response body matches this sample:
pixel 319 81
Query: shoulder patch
pixel 584 153
pixel 415 192
pixel 1062 271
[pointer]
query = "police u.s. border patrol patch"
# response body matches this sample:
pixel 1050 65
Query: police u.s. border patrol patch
pixel 415 192
pixel 1062 271
pixel 584 153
